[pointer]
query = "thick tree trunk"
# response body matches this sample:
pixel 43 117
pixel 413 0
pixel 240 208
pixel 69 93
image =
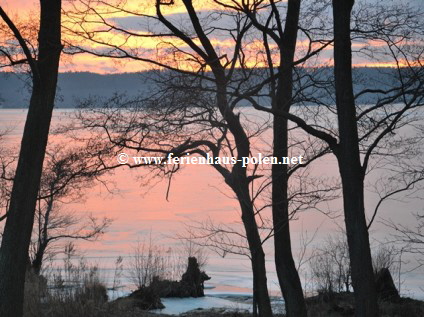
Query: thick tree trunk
pixel 18 227
pixel 288 276
pixel 351 171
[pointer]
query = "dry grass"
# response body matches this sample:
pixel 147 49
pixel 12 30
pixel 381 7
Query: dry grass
pixel 343 305
pixel 87 298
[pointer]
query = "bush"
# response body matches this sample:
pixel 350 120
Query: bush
pixel 35 290
pixel 330 265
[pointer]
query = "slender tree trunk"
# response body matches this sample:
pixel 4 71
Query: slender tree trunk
pixel 19 223
pixel 43 241
pixel 357 237
pixel 351 171
pixel 240 185
pixel 257 255
pixel 37 263
pixel 288 276
pixel 238 179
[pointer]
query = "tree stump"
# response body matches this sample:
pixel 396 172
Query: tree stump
pixel 194 279
pixel 386 288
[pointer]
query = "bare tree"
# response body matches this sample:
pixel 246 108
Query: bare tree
pixel 226 131
pixel 351 171
pixel 147 262
pixel 67 174
pixel 407 90
pixel 375 123
pixel 283 31
pixel 7 159
pixel 330 264
pixel 235 82
pixel 411 236
pixel 384 258
pixel 150 260
pixel 18 228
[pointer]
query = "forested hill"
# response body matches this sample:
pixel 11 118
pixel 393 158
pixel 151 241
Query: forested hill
pixel 73 87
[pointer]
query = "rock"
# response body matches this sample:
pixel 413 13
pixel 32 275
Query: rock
pixel 386 288
pixel 146 298
pixel 93 291
pixel 191 285
pixel 166 288
pixel 343 309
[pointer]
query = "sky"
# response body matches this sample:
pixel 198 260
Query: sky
pixel 167 49
pixel 135 215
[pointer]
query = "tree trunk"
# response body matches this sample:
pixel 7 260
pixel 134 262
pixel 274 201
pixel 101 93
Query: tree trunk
pixel 357 237
pixel 19 223
pixel 37 263
pixel 257 255
pixel 288 276
pixel 351 171
pixel 240 185
pixel 43 240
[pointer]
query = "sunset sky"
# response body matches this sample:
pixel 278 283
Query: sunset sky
pixel 25 10
pixel 160 199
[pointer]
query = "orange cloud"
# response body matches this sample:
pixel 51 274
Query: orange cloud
pixel 167 49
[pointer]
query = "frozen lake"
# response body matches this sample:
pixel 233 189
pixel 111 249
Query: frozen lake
pixel 197 194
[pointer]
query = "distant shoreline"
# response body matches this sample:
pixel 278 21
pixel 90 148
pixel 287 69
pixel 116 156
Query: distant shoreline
pixel 76 86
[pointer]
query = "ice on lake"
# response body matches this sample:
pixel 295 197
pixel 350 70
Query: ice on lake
pixel 176 306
